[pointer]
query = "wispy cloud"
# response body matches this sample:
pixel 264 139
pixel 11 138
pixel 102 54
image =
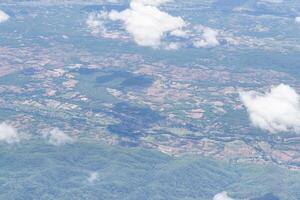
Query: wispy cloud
pixel 3 16
pixel 152 2
pixel 222 196
pixel 58 137
pixel 93 176
pixel 8 134
pixel 208 39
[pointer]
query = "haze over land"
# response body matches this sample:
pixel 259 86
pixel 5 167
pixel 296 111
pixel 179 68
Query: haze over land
pixel 161 100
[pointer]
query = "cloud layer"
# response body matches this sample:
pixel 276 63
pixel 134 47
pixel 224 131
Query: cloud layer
pixel 222 196
pixel 3 16
pixel 277 110
pixel 8 134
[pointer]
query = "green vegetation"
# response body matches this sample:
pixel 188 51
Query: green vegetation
pixel 27 170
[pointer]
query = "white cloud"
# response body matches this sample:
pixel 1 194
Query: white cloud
pixel 8 134
pixel 208 39
pixel 3 16
pixel 143 21
pixel 222 196
pixel 149 26
pixel 297 19
pixel 277 110
pixel 93 177
pixel 57 137
pixel 146 23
